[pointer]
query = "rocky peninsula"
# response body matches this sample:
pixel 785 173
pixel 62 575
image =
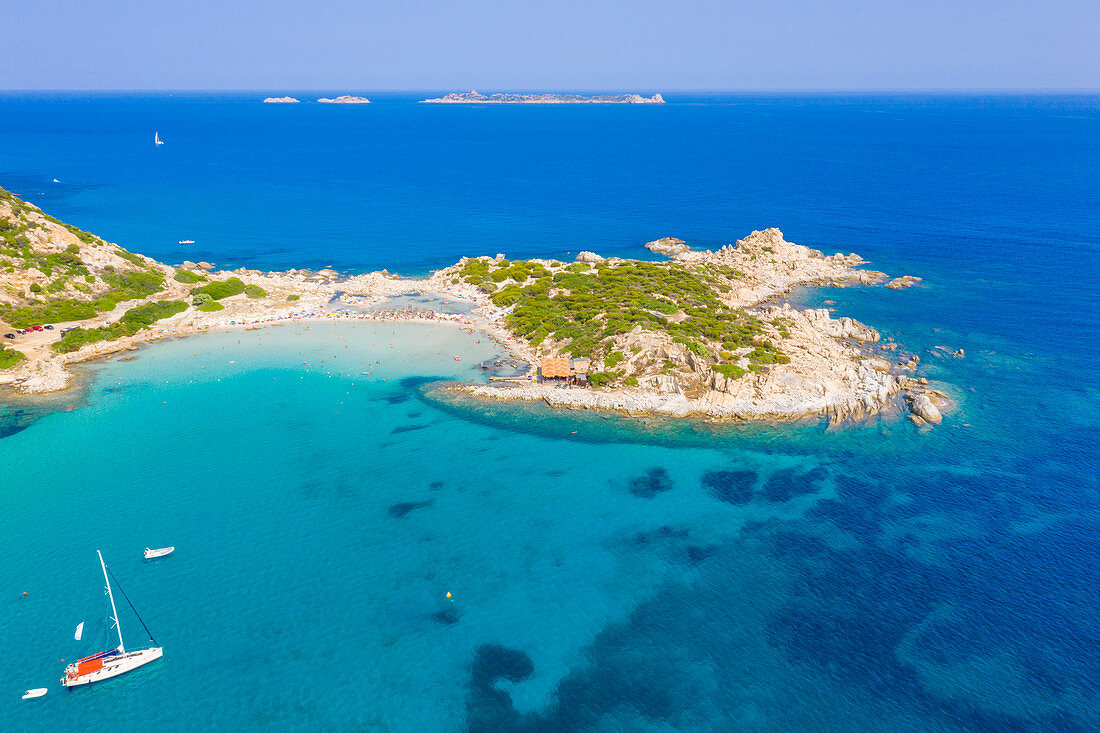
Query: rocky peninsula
pixel 474 97
pixel 702 333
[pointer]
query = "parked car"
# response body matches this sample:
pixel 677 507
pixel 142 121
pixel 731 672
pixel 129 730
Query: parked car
pixel 9 335
pixel 36 328
pixel 20 331
pixel 70 328
pixel 48 327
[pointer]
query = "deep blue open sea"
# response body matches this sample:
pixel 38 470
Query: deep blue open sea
pixel 606 574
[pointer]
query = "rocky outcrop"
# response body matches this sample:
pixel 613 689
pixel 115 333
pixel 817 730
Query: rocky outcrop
pixel 590 257
pixel 281 100
pixel 921 406
pixel 344 99
pixel 905 281
pixel 668 246
pixel 843 328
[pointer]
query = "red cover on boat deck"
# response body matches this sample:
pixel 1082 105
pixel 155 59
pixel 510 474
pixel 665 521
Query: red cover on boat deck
pixel 92 666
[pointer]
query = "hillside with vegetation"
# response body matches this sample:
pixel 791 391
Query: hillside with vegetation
pixel 53 273
pixel 600 311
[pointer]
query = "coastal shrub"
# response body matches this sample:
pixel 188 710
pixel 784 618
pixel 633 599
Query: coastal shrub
pixel 730 371
pixel 146 315
pixel 131 322
pixel 73 249
pixel 78 337
pixel 187 277
pixel 578 267
pixel 613 359
pixel 292 298
pixel 254 291
pixel 128 285
pixel 55 312
pixel 630 382
pixel 201 299
pixel 219 289
pixel 36 288
pixel 10 357
pixel 129 256
pixel 601 379
pixel 211 307
pixel 588 310
pixel 82 235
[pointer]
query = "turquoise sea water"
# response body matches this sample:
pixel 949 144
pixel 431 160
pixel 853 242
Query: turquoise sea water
pixel 606 574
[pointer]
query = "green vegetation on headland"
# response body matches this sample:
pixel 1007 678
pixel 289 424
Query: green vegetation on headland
pixel 187 277
pixel 211 307
pixel 583 309
pixel 132 321
pixel 57 298
pixel 123 286
pixel 10 357
pixel 220 288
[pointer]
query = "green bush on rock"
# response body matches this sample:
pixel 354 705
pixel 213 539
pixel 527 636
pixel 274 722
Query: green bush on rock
pixel 219 289
pixel 10 357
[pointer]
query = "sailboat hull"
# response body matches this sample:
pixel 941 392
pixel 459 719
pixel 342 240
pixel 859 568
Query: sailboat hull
pixel 112 667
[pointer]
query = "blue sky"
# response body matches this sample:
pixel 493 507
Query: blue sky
pixel 646 45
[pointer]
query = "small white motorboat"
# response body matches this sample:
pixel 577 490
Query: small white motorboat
pixel 161 552
pixel 187 241
pixel 37 692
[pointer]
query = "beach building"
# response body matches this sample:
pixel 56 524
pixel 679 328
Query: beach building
pixel 554 367
pixel 580 371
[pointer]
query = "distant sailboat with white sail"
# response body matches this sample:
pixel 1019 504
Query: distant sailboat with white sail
pixel 156 139
pixel 113 662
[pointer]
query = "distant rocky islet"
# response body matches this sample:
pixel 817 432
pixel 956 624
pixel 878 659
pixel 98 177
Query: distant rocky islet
pixel 475 97
pixel 343 99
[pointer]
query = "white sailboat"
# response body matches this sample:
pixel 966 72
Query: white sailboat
pixel 111 663
pixel 156 139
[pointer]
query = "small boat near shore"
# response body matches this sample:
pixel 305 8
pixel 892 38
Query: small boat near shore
pixel 187 241
pixel 36 692
pixel 160 552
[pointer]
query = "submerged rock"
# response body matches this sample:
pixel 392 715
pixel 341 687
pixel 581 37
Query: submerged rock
pixel 732 487
pixel 403 508
pixel 653 482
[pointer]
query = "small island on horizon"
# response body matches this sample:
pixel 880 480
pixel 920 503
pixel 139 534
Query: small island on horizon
pixel 342 99
pixel 475 97
pixel 705 333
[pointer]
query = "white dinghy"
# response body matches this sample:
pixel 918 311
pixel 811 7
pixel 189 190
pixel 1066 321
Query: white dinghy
pixel 160 552
pixel 37 692
pixel 113 662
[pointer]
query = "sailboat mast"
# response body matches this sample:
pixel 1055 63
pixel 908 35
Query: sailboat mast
pixel 121 646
